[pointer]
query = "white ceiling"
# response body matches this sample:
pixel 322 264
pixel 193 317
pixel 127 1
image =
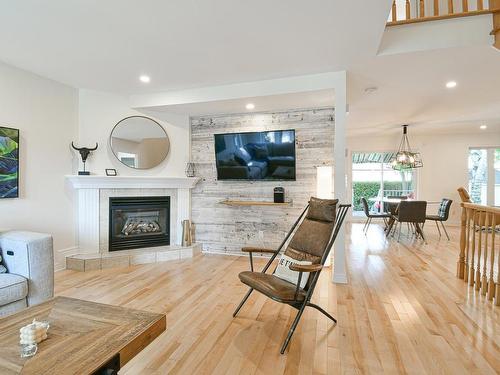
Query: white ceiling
pixel 411 90
pixel 106 45
pixel 181 44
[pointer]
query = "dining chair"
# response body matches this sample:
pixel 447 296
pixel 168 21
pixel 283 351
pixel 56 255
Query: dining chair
pixel 392 207
pixel 317 229
pixel 412 212
pixel 442 215
pixel 372 215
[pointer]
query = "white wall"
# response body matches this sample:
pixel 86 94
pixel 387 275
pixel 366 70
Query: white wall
pixel 444 157
pixel 98 114
pixel 46 114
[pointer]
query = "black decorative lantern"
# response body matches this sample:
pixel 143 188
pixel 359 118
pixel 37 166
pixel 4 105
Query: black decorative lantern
pixel 405 158
pixel 190 169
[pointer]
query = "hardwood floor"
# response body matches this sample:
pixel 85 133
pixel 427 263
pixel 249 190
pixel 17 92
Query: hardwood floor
pixel 403 311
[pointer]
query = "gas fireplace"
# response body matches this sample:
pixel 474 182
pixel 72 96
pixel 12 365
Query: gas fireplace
pixel 136 222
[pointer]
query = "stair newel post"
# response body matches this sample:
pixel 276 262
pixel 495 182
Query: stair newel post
pixel 461 257
pixel 473 250
pixel 484 278
pixel 491 282
pixel 479 244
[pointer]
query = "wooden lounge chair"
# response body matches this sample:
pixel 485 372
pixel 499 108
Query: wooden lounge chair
pixel 320 223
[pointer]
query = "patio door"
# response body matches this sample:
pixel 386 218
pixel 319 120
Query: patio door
pixel 484 175
pixel 374 178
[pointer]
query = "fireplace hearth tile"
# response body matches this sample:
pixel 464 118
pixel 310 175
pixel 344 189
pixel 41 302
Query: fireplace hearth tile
pixel 95 261
pixel 143 258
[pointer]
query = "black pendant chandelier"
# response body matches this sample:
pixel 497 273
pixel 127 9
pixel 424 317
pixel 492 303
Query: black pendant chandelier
pixel 405 158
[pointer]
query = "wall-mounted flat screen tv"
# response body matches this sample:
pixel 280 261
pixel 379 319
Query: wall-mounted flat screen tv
pixel 268 155
pixel 9 162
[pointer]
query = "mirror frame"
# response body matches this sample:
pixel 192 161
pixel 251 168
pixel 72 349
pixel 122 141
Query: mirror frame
pixel 145 117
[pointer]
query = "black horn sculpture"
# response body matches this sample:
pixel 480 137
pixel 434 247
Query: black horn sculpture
pixel 84 153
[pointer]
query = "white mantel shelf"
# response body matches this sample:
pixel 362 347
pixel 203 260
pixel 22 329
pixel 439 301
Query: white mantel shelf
pixel 131 182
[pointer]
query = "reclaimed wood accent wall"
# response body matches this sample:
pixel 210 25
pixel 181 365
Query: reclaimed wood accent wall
pixel 225 228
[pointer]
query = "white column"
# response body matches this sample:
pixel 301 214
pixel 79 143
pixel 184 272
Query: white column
pixel 339 274
pixel 88 220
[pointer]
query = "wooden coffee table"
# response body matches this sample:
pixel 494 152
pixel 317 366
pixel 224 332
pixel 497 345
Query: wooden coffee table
pixel 83 337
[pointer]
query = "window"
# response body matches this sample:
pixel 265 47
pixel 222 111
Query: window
pixel 484 175
pixel 373 177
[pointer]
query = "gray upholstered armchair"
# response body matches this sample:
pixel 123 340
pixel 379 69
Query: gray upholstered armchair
pixel 29 259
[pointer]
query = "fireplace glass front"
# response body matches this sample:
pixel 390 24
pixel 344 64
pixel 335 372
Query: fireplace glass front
pixel 137 222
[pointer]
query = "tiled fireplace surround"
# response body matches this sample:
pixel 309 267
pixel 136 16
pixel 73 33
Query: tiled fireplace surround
pixel 93 193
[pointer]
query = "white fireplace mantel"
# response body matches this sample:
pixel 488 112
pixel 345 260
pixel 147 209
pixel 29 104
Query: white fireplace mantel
pixel 88 191
pixel 131 182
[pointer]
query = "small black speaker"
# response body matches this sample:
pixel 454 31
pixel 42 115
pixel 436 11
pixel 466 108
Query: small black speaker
pixel 279 195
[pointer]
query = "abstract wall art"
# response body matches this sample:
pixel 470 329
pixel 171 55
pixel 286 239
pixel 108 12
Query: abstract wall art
pixel 9 162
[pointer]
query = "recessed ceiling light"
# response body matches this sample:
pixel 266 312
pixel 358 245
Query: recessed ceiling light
pixel 144 79
pixel 250 106
pixel 482 127
pixel 371 90
pixel 451 84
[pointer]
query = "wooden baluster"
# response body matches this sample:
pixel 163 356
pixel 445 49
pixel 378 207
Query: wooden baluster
pixel 421 9
pixel 480 5
pixel 436 7
pixel 394 11
pixel 473 251
pixel 497 296
pixel 461 257
pixel 478 269
pixel 450 7
pixel 465 6
pixel 484 279
pixel 408 14
pixel 491 283
pixel 466 270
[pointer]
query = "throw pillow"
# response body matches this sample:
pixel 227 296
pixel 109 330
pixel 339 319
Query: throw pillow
pixel 284 272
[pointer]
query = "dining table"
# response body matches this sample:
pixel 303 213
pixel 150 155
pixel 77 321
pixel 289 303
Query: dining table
pixel 393 206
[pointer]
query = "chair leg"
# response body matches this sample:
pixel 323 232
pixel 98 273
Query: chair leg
pixel 366 223
pixel 322 311
pixel 445 231
pixel 292 328
pixel 242 302
pixel 399 234
pixel 439 230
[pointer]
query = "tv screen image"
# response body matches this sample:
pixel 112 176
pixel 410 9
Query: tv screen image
pixel 9 163
pixel 268 155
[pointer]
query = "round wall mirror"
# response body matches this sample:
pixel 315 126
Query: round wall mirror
pixel 139 142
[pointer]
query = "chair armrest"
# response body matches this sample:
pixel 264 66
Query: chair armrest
pixel 257 250
pixel 30 255
pixel 305 267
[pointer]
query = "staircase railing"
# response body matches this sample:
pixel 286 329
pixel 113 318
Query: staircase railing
pixel 478 262
pixel 411 11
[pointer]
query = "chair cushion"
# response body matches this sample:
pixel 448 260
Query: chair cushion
pixel 311 237
pixel 272 286
pixel 12 288
pixel 322 209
